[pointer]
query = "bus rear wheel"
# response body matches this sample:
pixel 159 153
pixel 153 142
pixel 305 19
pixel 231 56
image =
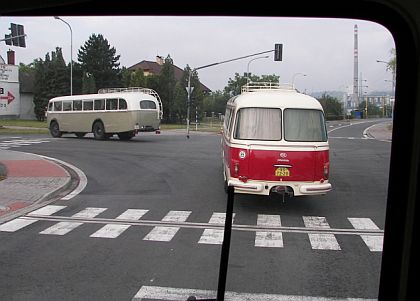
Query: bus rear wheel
pixel 55 129
pixel 125 135
pixel 99 130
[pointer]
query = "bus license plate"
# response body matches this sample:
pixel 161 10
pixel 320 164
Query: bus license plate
pixel 282 172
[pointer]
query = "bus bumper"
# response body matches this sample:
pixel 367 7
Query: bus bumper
pixel 315 189
pixel 264 188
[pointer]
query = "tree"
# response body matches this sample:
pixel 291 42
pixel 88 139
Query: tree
pixel 392 63
pixel 52 78
pixel 133 78
pixel 99 59
pixel 180 102
pixel 215 102
pixel 333 109
pixel 166 87
pixel 235 85
pixel 197 93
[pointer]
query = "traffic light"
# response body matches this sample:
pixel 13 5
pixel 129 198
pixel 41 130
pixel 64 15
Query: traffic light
pixel 16 37
pixel 278 52
pixel 21 36
pixel 8 39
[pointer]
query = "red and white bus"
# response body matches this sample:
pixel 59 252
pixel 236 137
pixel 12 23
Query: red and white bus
pixel 275 140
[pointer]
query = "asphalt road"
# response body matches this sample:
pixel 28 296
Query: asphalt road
pixel 180 184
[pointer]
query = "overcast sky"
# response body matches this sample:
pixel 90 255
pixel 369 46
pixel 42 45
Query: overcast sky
pixel 320 48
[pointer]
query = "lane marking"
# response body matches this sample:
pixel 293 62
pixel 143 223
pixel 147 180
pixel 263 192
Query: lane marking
pixel 20 223
pixel 16 224
pixel 167 233
pixel 113 230
pixel 374 243
pixel 47 210
pixel 215 236
pixel 265 238
pixel 320 241
pixel 180 294
pixel 63 228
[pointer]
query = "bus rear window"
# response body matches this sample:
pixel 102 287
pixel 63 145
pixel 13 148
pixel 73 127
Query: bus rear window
pixel 147 104
pixel 258 124
pixel 304 125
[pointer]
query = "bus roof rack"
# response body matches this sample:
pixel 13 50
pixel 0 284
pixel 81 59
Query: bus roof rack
pixel 135 89
pixel 258 86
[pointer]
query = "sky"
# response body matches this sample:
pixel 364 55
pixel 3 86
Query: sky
pixel 317 53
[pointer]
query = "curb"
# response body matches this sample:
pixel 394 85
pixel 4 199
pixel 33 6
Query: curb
pixel 69 186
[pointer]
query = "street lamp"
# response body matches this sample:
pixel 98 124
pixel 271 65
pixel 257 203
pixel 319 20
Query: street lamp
pixel 294 76
pixel 247 69
pixel 71 53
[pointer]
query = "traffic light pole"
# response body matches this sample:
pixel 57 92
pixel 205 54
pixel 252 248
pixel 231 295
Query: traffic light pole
pixel 278 52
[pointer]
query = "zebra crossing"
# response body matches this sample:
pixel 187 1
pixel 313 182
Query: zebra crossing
pixel 14 142
pixel 268 229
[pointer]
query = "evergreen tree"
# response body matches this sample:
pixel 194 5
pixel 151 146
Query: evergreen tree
pixel 52 78
pixel 98 58
pixel 166 88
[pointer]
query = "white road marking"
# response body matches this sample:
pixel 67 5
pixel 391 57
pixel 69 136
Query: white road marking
pixel 265 238
pixel 320 241
pixel 180 294
pixel 214 236
pixel 20 223
pixel 163 233
pixel 374 242
pixel 47 210
pixel 113 231
pixel 16 224
pixel 63 228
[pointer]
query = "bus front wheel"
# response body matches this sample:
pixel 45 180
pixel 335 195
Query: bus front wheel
pixel 55 129
pixel 98 130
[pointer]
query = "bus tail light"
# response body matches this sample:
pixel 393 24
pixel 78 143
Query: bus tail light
pixel 236 169
pixel 326 170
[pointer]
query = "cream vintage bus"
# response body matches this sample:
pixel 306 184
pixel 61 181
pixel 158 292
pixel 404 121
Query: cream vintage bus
pixel 121 111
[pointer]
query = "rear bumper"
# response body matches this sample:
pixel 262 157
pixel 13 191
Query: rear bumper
pixel 264 188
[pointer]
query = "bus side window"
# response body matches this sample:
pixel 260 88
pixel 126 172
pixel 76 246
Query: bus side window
pixel 228 114
pixel 230 122
pixel 122 104
pixel 87 105
pixel 77 105
pixel 67 105
pixel 57 105
pixel 50 106
pixel 112 104
pixel 99 104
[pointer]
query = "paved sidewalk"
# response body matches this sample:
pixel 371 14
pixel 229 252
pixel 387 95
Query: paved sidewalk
pixel 28 180
pixel 381 131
